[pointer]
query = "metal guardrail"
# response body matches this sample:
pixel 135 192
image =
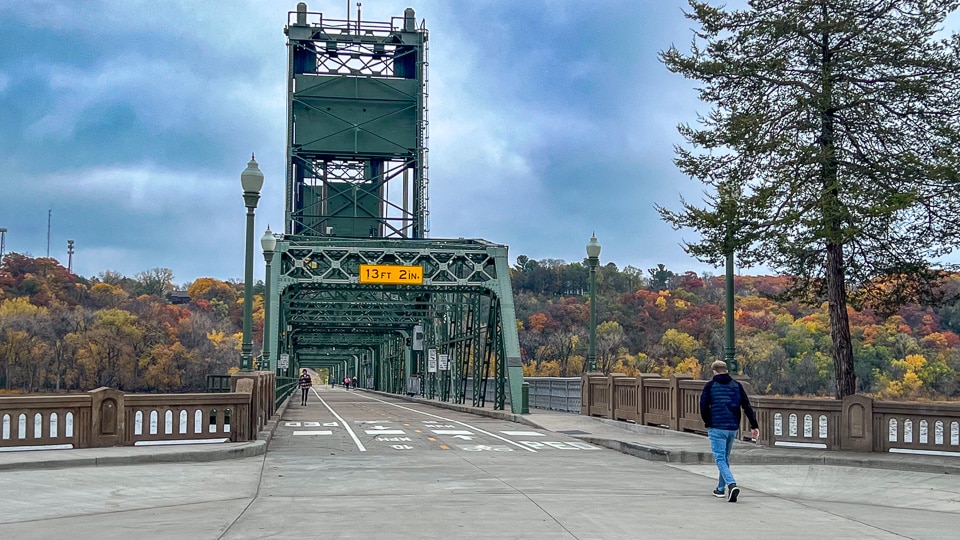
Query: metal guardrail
pixel 555 393
pixel 285 387
pixel 218 383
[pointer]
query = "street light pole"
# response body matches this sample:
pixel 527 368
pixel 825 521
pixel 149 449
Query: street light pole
pixel 593 259
pixel 268 242
pixel 729 349
pixel 251 179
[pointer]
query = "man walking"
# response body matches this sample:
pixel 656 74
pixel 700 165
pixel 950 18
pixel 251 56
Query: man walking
pixel 305 384
pixel 720 407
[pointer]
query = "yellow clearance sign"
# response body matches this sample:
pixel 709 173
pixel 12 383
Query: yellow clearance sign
pixel 391 274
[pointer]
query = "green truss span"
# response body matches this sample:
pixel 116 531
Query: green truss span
pixel 324 316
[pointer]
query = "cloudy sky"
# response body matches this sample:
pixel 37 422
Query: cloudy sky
pixel 130 122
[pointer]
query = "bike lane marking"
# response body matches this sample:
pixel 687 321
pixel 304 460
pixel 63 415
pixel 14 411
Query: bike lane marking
pixel 342 422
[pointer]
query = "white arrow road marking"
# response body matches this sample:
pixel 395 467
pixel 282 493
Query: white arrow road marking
pixel 321 432
pixel 464 437
pixel 385 432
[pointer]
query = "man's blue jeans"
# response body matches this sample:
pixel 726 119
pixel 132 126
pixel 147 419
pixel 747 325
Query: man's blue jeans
pixel 721 443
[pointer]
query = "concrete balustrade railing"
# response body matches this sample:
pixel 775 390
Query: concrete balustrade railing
pixel 109 417
pixel 856 423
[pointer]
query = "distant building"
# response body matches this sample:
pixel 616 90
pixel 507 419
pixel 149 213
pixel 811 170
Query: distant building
pixel 178 297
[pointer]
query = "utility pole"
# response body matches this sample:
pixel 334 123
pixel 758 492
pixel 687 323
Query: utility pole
pixel 49 217
pixel 70 256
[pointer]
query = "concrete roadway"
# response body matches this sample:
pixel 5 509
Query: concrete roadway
pixel 353 465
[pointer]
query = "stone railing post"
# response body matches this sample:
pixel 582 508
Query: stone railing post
pixel 611 392
pixel 642 397
pixel 856 424
pixel 247 385
pixel 255 397
pixel 107 426
pixel 675 403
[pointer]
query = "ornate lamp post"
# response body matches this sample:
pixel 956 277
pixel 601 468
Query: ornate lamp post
pixel 268 242
pixel 251 179
pixel 593 259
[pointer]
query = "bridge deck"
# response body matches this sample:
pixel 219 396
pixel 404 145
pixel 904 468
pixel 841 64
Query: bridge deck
pixel 353 464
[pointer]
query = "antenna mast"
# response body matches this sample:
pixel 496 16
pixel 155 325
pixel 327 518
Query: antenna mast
pixel 70 256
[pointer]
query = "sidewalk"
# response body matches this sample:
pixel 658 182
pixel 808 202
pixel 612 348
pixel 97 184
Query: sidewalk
pixel 655 444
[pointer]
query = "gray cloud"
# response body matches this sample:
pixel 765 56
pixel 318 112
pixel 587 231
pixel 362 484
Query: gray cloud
pixel 132 121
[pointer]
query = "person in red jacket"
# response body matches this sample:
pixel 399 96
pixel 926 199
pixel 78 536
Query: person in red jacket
pixel 721 403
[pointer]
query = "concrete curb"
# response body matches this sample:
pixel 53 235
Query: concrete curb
pixel 133 455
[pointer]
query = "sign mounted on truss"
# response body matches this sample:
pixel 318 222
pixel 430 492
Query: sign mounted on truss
pixel 391 274
pixel 431 360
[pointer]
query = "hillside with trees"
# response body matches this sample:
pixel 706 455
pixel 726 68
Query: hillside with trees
pixel 62 332
pixel 667 322
pixel 59 331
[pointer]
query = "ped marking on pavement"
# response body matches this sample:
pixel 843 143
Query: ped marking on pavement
pixel 451 432
pixel 317 432
pixel 523 433
pixel 438 417
pixel 310 424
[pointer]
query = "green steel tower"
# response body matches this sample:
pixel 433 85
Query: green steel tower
pixel 357 127
pixel 356 286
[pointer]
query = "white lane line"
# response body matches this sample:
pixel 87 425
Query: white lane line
pixel 464 424
pixel 317 432
pixel 342 422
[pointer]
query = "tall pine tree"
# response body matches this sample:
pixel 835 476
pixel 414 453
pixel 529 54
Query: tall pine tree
pixel 831 152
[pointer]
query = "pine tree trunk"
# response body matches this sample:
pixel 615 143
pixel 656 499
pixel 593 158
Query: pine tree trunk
pixel 840 323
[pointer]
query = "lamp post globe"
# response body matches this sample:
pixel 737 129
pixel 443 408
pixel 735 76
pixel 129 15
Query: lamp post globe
pixel 251 180
pixel 593 259
pixel 269 243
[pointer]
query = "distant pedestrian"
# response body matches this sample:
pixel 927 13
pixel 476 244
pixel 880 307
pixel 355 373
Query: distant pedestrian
pixel 346 382
pixel 305 384
pixel 721 403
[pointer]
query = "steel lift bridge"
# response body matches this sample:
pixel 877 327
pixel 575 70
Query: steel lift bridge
pixel 355 285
